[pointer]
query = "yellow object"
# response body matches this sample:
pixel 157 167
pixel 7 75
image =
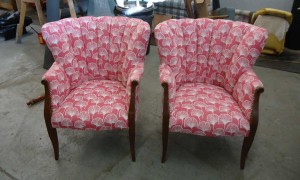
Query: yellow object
pixel 274 45
pixel 273 12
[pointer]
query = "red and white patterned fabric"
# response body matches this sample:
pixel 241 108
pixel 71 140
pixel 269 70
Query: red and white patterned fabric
pixel 105 53
pixel 215 53
pixel 96 105
pixel 244 89
pixel 207 110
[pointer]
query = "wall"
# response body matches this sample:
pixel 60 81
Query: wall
pixel 254 5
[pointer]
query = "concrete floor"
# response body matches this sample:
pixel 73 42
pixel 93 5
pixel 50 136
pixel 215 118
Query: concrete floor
pixel 26 152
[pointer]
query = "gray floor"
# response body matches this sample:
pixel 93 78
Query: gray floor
pixel 26 152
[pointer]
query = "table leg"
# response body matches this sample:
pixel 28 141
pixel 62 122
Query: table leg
pixel 20 26
pixel 39 10
pixel 72 9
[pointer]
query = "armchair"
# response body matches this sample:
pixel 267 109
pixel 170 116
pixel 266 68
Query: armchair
pixel 206 72
pixel 92 85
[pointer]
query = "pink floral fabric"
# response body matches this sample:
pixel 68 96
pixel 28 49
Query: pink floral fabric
pixel 97 50
pixel 244 89
pixel 213 52
pixel 94 105
pixel 166 76
pixel 207 110
pixel 245 55
pixel 59 84
pixel 97 47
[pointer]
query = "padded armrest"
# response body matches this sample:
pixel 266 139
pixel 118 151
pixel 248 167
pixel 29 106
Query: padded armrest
pixel 245 90
pixel 166 77
pixel 133 80
pixel 59 84
pixel 135 74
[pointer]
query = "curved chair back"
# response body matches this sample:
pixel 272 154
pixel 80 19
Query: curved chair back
pixel 97 47
pixel 211 51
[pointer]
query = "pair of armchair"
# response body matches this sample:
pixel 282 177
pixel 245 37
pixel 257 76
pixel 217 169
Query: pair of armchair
pixel 206 72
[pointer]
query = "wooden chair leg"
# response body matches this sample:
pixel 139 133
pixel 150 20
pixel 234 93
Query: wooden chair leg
pixel 165 121
pixel 165 136
pixel 35 100
pixel 131 119
pixel 47 115
pixel 246 146
pixel 54 140
pixel 253 127
pixel 132 141
pixel 20 26
pixel 51 131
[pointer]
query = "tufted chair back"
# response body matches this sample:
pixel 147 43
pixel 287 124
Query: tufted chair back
pixel 105 48
pixel 211 51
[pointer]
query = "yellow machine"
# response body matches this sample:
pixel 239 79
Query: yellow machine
pixel 277 23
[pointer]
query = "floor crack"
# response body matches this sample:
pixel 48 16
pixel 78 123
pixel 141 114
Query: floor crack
pixel 6 173
pixel 3 83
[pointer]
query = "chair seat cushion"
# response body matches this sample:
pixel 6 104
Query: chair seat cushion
pixel 207 110
pixel 94 105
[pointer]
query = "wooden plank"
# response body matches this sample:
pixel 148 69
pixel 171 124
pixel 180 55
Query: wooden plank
pixel 71 8
pixel 6 5
pixel 18 2
pixel 14 5
pixel 20 26
pixel 39 10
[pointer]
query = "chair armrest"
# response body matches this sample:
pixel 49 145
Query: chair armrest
pixel 132 88
pixel 135 76
pixel 167 80
pixel 246 92
pixel 166 74
pixel 58 84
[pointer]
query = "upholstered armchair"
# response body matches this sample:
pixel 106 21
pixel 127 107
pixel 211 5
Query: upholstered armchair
pixel 209 86
pixel 93 84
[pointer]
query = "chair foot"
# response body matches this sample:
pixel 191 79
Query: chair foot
pixel 163 159
pixel 132 145
pixel 245 149
pixel 165 122
pixel 242 163
pixel 54 140
pixel 165 145
pixel 133 159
